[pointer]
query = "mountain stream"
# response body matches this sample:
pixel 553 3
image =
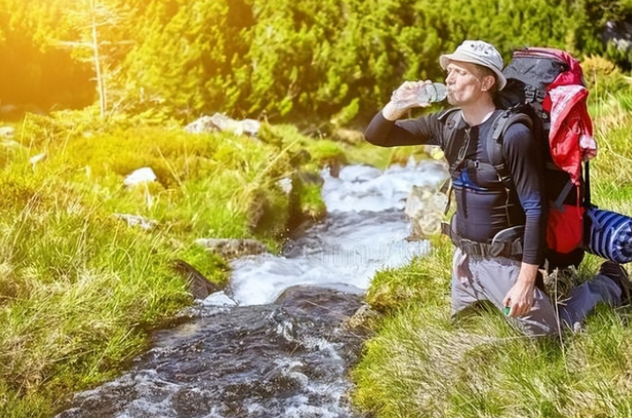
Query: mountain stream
pixel 275 344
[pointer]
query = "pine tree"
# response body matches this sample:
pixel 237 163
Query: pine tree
pixel 187 58
pixel 95 22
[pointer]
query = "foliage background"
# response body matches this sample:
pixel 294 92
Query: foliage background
pixel 310 60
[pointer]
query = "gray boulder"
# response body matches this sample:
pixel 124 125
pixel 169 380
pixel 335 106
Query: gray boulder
pixel 424 208
pixel 220 122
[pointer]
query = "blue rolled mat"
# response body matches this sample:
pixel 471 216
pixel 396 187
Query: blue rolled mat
pixel 609 235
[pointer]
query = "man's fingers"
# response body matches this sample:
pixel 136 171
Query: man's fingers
pixel 516 310
pixel 413 85
pixel 409 85
pixel 519 309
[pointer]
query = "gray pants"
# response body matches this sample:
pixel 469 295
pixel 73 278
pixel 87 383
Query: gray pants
pixel 476 278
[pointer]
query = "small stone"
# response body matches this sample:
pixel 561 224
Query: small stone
pixel 135 220
pixel 7 132
pixel 142 175
pixel 361 318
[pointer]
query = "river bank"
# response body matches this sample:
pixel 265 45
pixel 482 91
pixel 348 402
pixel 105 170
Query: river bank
pixel 82 289
pixel 281 338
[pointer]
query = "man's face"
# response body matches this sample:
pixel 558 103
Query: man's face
pixel 465 85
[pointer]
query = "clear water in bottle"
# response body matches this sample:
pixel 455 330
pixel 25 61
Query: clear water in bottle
pixel 426 93
pixel 430 93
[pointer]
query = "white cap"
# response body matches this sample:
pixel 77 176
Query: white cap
pixel 481 53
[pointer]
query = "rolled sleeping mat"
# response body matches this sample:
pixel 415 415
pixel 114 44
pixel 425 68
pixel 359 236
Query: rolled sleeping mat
pixel 609 235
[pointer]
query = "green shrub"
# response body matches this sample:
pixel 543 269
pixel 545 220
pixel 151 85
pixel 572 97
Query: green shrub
pixel 603 79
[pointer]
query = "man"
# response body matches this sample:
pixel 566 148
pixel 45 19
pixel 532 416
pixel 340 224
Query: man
pixel 486 211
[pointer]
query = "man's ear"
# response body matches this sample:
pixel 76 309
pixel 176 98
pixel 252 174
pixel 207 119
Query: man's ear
pixel 488 82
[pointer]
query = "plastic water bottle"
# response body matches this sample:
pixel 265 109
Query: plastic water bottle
pixel 430 93
pixel 427 93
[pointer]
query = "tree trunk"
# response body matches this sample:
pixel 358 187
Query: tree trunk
pixel 97 61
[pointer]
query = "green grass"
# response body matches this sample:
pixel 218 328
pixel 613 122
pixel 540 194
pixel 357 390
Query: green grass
pixel 419 363
pixel 79 289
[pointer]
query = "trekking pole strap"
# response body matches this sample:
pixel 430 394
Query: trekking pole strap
pixel 559 202
pixel 587 202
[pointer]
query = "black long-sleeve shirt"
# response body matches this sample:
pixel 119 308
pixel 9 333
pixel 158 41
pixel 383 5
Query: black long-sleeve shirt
pixel 478 215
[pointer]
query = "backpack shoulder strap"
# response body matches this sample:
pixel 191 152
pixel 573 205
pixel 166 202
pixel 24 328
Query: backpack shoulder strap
pixel 450 119
pixel 494 145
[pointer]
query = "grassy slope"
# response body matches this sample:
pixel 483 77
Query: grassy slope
pixel 79 289
pixel 419 364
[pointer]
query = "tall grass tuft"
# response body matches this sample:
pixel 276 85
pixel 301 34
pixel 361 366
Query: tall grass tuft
pixel 79 291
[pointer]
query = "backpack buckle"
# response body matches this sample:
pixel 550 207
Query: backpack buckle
pixel 473 248
pixel 496 249
pixel 530 94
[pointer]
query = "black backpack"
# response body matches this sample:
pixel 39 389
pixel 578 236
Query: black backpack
pixel 528 74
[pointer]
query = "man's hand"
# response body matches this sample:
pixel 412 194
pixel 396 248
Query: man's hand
pixel 520 296
pixel 404 98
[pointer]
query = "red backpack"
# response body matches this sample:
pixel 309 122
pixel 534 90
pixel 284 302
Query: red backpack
pixel 547 85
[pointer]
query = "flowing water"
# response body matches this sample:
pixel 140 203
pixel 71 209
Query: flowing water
pixel 275 343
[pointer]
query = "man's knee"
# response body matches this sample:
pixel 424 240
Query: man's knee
pixel 540 322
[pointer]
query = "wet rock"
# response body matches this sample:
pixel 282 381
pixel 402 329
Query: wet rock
pixel 284 323
pixel 219 299
pixel 199 286
pixel 362 318
pixel 298 299
pixel 232 248
pixel 334 167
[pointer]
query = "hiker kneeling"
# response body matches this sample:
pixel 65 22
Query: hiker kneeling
pixel 499 228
